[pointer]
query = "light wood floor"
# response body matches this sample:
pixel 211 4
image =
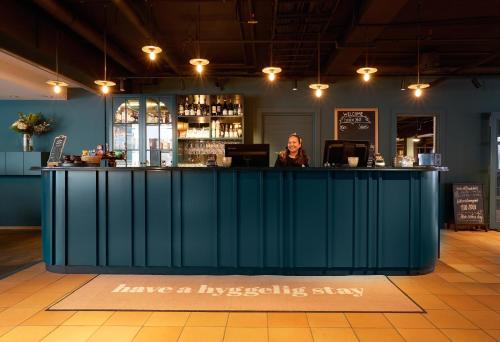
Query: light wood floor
pixel 462 300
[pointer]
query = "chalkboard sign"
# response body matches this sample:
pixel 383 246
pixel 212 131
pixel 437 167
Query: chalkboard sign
pixel 468 203
pixel 56 151
pixel 356 124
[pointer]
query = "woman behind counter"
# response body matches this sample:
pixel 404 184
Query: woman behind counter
pixel 294 155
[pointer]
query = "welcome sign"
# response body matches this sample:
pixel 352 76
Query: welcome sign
pixel 239 293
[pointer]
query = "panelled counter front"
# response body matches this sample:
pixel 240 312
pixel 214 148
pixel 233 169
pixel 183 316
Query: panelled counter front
pixel 296 221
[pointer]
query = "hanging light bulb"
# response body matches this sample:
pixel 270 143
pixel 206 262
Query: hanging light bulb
pixel 105 84
pixel 199 63
pixel 152 51
pixel 56 84
pixel 418 86
pixel 271 72
pixel 318 87
pixel 366 72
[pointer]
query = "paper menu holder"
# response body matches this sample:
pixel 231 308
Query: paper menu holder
pixel 56 151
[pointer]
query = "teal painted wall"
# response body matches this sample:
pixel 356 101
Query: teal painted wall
pixel 463 137
pixel 81 118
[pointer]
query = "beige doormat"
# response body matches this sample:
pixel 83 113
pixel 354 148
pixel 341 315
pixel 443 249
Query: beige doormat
pixel 372 293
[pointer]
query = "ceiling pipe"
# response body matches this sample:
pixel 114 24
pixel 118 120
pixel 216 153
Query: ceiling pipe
pixel 136 21
pixel 55 9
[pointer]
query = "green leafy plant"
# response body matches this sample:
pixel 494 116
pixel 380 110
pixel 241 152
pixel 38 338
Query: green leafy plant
pixel 31 123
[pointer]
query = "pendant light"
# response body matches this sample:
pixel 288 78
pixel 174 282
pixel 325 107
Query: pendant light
pixel 418 86
pixel 151 50
pixel 271 71
pixel 366 71
pixel 105 84
pixel 199 63
pixel 318 87
pixel 56 84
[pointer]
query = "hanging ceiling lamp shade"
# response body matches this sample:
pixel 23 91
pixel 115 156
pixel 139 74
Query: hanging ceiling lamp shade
pixel 319 87
pixel 199 62
pixel 418 86
pixel 151 50
pixel 366 72
pixel 271 72
pixel 104 83
pixel 56 84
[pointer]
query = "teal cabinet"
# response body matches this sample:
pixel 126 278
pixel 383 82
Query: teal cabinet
pixel 14 163
pixel 34 159
pixel 21 163
pixel 2 163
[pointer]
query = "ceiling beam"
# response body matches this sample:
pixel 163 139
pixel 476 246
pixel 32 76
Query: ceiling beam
pixel 132 16
pixel 372 12
pixel 461 69
pixel 63 15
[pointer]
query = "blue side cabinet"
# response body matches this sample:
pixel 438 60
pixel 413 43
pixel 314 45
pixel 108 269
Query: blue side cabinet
pixel 20 163
pixel 2 163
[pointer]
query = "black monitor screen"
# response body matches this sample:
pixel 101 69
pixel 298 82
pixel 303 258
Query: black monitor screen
pixel 337 151
pixel 248 155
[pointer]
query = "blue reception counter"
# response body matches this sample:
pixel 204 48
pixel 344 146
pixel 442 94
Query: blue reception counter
pixel 240 221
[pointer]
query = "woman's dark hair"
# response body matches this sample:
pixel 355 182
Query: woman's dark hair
pixel 301 157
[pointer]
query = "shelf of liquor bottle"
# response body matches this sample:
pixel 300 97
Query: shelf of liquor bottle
pixel 211 139
pixel 208 116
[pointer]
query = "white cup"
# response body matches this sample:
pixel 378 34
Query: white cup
pixel 352 161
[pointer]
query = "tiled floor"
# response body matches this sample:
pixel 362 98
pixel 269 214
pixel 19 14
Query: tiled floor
pixel 462 299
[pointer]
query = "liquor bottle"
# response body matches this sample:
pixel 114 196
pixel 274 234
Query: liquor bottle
pixel 219 107
pixel 202 105
pixel 186 106
pixel 214 108
pixel 191 109
pixel 224 108
pixel 181 108
pixel 230 108
pixel 238 109
pixel 198 107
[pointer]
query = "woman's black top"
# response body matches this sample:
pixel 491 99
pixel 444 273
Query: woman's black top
pixel 290 162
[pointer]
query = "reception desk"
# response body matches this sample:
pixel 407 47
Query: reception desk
pixel 240 221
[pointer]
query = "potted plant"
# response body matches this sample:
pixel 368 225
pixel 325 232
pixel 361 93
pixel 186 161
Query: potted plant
pixel 29 124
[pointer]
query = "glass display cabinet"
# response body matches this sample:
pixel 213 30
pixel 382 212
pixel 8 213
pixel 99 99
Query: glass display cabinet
pixel 205 123
pixel 142 127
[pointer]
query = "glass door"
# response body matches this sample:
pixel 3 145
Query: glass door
pixel 126 131
pixel 158 133
pixel 142 127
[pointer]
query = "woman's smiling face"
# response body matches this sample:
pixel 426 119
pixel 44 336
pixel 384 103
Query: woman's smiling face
pixel 293 144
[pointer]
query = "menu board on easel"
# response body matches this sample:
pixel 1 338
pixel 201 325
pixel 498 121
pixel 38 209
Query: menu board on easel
pixel 468 203
pixel 356 124
pixel 56 151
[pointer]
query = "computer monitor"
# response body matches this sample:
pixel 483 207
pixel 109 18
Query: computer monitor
pixel 248 155
pixel 337 151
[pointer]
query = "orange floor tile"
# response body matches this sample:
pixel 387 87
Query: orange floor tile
pixel 461 298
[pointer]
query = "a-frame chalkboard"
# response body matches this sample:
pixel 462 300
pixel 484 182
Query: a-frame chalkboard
pixel 356 124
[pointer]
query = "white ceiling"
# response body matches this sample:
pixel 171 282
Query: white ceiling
pixel 21 79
